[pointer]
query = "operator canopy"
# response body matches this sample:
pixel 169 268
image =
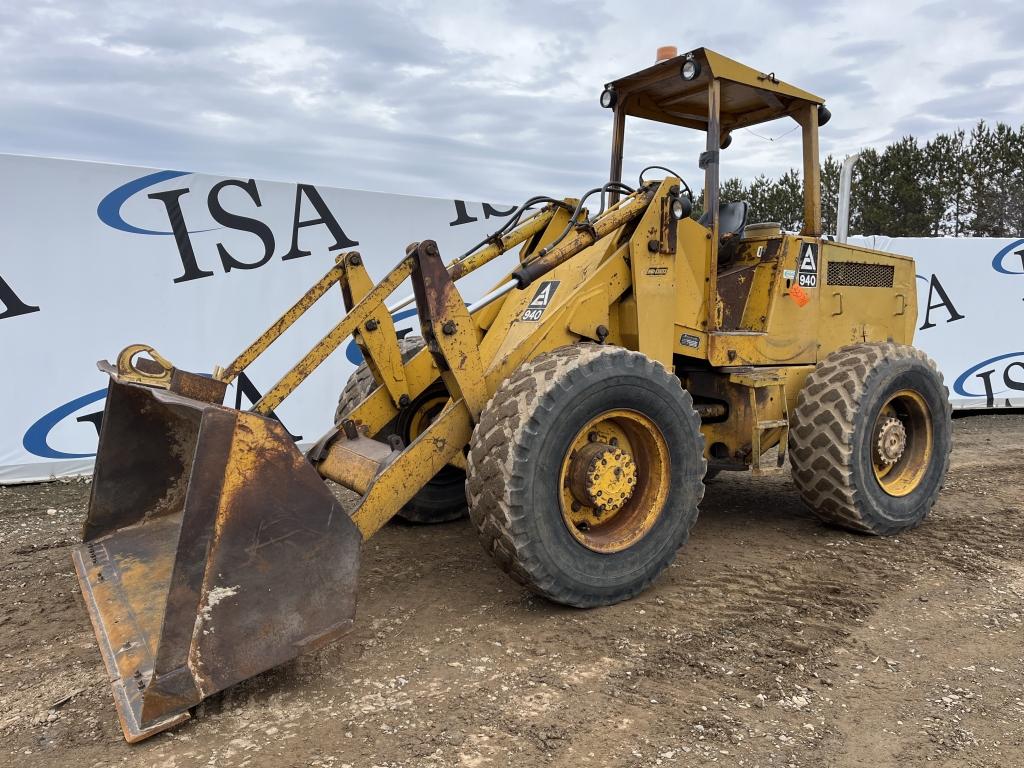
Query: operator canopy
pixel 675 91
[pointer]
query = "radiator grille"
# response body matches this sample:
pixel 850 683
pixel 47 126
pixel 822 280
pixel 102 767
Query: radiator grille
pixel 856 273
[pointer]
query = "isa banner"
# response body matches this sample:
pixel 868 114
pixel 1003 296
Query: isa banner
pixel 970 305
pixel 94 257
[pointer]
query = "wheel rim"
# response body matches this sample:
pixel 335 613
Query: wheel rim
pixel 901 444
pixel 425 414
pixel 414 420
pixel 614 480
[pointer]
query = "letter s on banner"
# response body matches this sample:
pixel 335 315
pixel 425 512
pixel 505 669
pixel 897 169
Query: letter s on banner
pixel 1008 380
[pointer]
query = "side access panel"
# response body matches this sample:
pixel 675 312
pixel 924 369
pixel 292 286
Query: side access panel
pixel 865 296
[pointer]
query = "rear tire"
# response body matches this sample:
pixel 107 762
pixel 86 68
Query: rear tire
pixel 870 439
pixel 574 421
pixel 442 499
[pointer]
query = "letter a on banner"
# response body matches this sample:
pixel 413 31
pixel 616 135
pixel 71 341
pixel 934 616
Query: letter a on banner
pixel 13 306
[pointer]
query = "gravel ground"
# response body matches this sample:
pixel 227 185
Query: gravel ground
pixel 772 641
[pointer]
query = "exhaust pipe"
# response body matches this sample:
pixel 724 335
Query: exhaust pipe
pixel 845 183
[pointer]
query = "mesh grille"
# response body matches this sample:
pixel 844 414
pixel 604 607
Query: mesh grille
pixel 859 274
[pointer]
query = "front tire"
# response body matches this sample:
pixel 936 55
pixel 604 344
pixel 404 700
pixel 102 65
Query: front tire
pixel 585 472
pixel 870 439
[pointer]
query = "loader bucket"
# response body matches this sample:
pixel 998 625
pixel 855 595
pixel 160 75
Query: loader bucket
pixel 212 551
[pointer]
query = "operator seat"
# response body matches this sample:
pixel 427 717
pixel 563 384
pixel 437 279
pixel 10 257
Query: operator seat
pixel 732 218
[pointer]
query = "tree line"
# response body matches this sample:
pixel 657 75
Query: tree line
pixel 957 184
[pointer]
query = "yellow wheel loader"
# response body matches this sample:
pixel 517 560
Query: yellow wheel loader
pixel 576 409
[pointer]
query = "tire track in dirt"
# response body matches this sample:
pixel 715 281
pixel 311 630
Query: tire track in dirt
pixel 768 639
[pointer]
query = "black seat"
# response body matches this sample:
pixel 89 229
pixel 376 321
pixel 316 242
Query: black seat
pixel 732 218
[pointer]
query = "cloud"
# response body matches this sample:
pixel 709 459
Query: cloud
pixel 492 101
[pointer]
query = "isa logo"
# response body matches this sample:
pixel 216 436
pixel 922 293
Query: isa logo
pixel 999 375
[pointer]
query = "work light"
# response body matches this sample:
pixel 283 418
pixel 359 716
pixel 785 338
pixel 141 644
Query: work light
pixel 690 69
pixel 608 97
pixel 680 207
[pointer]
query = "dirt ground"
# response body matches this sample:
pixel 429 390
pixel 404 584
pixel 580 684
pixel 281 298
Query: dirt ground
pixel 772 641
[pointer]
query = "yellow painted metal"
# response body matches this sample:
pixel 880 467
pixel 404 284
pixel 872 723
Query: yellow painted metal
pixel 524 232
pixel 601 268
pixel 692 281
pixel 654 276
pixel 849 314
pixel 361 310
pixel 901 444
pixel 376 337
pixel 724 68
pixel 427 455
pixel 807 117
pixel 378 409
pixel 749 97
pixel 353 320
pixel 283 323
pixel 583 237
pixel 354 462
pixel 758 402
pixel 742 336
pixel 614 478
pixel 154 373
pixel 602 477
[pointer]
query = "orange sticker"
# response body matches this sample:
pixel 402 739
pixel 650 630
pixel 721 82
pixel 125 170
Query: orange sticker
pixel 797 294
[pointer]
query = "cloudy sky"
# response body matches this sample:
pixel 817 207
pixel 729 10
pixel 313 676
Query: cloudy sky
pixel 468 98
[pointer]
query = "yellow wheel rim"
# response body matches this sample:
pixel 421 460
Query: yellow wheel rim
pixel 425 414
pixel 901 443
pixel 614 480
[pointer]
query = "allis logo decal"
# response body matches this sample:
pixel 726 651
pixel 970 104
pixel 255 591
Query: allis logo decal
pixel 541 300
pixel 807 269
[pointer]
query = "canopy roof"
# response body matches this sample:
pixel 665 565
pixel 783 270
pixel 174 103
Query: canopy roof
pixel 748 97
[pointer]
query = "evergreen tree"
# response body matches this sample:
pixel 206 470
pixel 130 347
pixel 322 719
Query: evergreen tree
pixel 830 170
pixel 954 185
pixel 868 211
pixel 903 166
pixel 946 184
pixel 786 201
pixel 759 196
